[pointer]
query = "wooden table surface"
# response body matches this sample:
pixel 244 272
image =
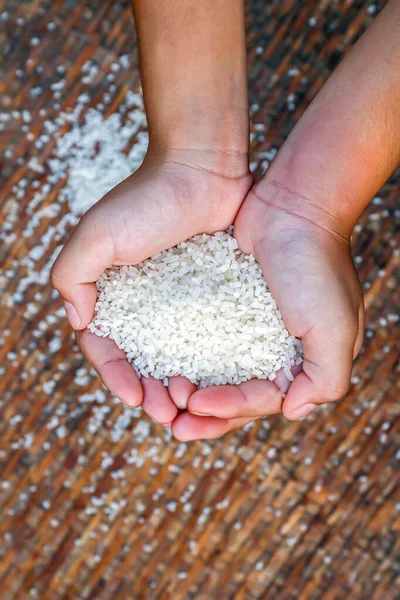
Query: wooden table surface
pixel 96 501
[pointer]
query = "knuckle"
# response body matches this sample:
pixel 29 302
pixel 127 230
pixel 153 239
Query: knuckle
pixel 55 277
pixel 337 390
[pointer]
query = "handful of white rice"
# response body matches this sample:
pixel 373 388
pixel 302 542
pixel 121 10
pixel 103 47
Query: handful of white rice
pixel 201 309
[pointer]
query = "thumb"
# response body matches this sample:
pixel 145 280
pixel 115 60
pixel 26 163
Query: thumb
pixel 81 262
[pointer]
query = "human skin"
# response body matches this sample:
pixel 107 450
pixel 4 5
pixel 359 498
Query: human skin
pixel 297 220
pixel 194 178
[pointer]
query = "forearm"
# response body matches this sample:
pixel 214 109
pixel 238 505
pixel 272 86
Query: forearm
pixel 193 68
pixel 347 143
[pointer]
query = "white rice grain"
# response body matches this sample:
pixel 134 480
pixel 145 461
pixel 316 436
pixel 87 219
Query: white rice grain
pixel 201 309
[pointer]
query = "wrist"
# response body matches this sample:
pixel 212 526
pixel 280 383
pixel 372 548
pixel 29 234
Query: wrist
pixel 291 210
pixel 308 181
pixel 208 123
pixel 290 198
pixel 215 140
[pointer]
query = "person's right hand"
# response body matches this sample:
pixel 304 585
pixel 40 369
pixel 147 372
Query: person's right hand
pixel 166 201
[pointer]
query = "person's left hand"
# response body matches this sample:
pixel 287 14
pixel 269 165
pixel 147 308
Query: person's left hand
pixel 169 199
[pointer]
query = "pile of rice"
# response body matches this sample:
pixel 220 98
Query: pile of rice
pixel 201 309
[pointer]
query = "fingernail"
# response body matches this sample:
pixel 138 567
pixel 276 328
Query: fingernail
pixel 302 411
pixel 74 319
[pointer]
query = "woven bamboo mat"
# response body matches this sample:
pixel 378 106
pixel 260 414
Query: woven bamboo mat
pixel 96 501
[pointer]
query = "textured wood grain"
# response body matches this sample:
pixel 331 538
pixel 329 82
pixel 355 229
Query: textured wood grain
pixel 100 504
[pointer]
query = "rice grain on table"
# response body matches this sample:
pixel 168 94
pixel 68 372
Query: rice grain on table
pixel 201 309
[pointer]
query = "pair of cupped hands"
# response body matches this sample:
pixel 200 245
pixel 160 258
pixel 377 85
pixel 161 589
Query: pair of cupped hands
pixel 305 258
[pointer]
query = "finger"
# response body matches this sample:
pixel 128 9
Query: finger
pixel 180 389
pixel 254 398
pixel 328 357
pixel 81 262
pixel 157 402
pixel 283 382
pixel 111 364
pixel 187 427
